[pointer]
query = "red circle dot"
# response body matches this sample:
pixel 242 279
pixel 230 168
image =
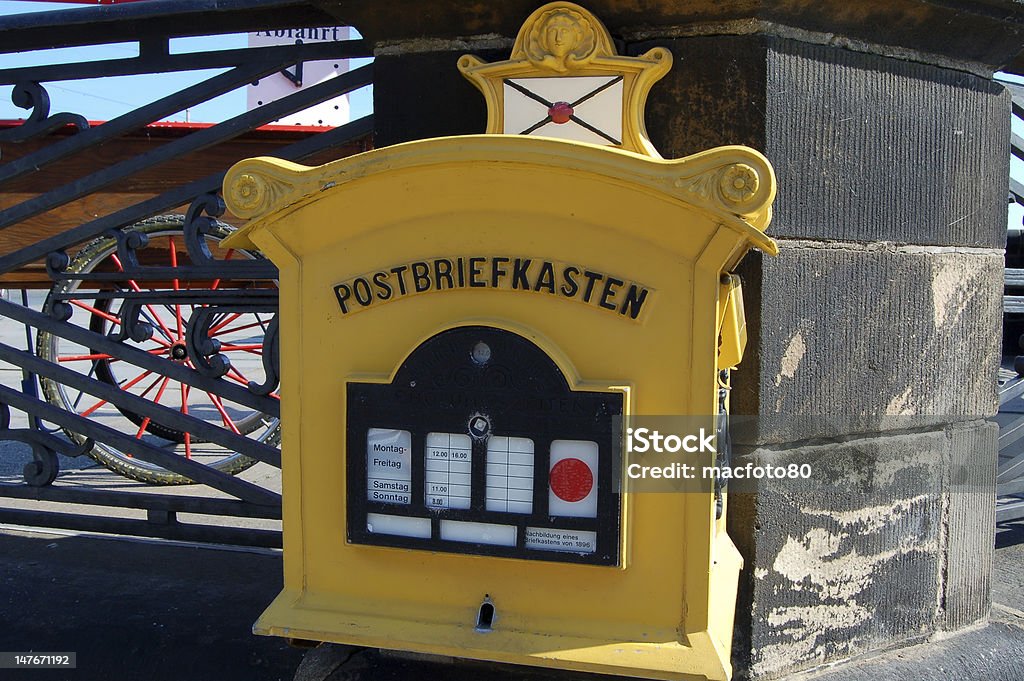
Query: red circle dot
pixel 560 112
pixel 571 480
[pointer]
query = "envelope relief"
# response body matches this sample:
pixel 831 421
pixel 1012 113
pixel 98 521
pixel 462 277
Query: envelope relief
pixel 564 80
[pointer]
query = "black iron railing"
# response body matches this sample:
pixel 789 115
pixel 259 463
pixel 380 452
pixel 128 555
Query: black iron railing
pixel 1010 475
pixel 146 314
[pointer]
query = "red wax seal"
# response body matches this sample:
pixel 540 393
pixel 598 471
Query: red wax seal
pixel 571 480
pixel 560 112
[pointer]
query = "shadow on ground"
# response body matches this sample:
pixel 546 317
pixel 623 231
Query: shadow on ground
pixel 134 610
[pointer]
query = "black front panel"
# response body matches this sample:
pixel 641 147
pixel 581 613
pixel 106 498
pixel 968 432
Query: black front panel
pixel 479 446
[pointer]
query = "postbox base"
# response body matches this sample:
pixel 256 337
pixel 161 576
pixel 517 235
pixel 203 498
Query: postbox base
pixel 701 655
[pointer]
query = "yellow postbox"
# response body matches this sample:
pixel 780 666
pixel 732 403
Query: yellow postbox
pixel 465 323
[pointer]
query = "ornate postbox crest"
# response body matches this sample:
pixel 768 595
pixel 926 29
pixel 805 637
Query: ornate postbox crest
pixel 565 80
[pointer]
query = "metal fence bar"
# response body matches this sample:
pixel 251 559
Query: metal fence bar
pixel 276 54
pixel 143 528
pixel 137 118
pixel 142 450
pixel 196 141
pixel 175 197
pixel 121 398
pixel 136 22
pixel 140 358
pixel 143 500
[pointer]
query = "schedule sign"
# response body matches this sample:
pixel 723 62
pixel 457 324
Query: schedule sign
pixel 479 446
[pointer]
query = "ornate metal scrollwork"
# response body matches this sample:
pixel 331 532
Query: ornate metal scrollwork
pixel 45 465
pixel 128 242
pixel 271 360
pixel 200 223
pixel 203 350
pixel 197 226
pixel 132 327
pixel 32 95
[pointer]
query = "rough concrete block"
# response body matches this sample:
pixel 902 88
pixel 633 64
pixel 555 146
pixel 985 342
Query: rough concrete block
pixel 715 94
pixel 856 558
pixel 869 148
pixel 970 525
pixel 866 148
pixel 418 95
pixel 848 340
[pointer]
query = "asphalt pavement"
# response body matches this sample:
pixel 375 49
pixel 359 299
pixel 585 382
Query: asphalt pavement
pixel 171 611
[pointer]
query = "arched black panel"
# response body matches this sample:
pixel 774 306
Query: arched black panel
pixel 428 454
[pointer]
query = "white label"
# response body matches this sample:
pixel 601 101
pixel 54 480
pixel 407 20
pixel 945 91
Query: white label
pixel 510 475
pixel 274 86
pixel 478 533
pixel 448 461
pixel 402 526
pixel 572 479
pixel 389 466
pixel 569 541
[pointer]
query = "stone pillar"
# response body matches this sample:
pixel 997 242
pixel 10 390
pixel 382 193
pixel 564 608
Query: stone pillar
pixel 878 325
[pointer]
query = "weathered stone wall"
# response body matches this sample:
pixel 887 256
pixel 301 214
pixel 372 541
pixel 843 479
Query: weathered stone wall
pixel 878 325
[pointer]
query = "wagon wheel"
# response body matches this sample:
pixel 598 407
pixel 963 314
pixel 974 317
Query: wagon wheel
pixel 240 335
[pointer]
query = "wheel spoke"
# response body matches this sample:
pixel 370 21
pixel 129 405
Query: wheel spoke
pixel 253 349
pixel 243 378
pixel 135 287
pixel 227 256
pixel 156 400
pixel 227 320
pixel 184 410
pixel 237 328
pixel 96 311
pixel 80 358
pixel 223 414
pixel 125 386
pixel 177 286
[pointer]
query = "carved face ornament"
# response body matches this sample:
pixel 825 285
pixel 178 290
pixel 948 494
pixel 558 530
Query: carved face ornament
pixel 563 39
pixel 562 35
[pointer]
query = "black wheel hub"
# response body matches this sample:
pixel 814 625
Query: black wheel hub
pixel 178 352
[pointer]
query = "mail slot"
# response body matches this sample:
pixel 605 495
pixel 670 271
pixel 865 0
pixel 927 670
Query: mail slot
pixel 467 324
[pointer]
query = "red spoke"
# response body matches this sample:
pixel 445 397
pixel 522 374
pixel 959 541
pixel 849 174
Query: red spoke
pixel 223 414
pixel 159 394
pixel 142 429
pixel 216 282
pixel 96 311
pixel 151 386
pixel 80 358
pixel 240 375
pixel 137 289
pixel 135 380
pixel 131 383
pixel 93 408
pixel 177 286
pixel 242 328
pixel 184 410
pixel 251 349
pixel 236 379
pixel 227 320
